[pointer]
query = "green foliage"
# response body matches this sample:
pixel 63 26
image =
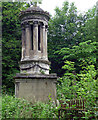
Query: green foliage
pixel 61 33
pixel 20 108
pixel 67 29
pixel 79 80
pixel 11 41
pixel 82 85
pixel 68 84
pixel 0 106
pixel 82 54
pixel 87 86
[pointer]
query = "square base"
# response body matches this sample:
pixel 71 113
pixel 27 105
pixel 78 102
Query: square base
pixel 35 88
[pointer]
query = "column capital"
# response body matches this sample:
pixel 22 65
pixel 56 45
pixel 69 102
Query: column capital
pixel 27 24
pixel 35 23
pixel 43 26
pixel 46 27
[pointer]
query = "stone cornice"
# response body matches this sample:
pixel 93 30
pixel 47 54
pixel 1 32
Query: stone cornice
pixel 30 61
pixel 38 76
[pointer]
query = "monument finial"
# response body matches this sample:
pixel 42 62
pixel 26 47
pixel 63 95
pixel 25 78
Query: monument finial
pixel 36 2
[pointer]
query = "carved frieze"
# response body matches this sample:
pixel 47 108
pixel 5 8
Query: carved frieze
pixel 33 67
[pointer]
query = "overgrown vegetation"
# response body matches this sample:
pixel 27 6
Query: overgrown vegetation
pixel 20 108
pixel 72 42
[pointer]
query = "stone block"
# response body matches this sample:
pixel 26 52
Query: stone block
pixel 34 87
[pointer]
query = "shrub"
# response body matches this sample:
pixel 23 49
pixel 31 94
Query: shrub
pixel 20 108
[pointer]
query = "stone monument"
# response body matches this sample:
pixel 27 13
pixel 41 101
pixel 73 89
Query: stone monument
pixel 34 82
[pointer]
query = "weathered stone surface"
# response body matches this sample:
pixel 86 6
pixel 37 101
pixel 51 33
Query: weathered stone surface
pixel 23 44
pixel 35 40
pixel 34 83
pixel 38 76
pixel 35 88
pixel 28 40
pixel 31 17
pixel 34 67
pixel 34 10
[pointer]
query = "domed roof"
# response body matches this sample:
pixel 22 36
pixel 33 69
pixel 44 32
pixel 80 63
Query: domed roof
pixel 34 9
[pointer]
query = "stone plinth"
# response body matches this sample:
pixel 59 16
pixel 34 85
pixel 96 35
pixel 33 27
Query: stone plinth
pixel 35 87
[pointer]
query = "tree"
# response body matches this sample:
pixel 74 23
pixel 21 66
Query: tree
pixel 84 53
pixel 65 30
pixel 79 79
pixel 11 41
pixel 82 85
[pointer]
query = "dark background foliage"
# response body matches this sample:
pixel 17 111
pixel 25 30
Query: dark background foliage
pixel 11 42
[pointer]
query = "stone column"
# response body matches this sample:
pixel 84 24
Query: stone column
pixel 35 38
pixel 28 40
pixel 43 42
pixel 41 38
pixel 46 27
pixel 23 43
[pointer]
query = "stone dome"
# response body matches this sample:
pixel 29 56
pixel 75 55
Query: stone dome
pixel 37 8
pixel 34 10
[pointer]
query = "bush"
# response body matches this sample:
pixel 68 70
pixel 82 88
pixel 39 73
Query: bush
pixel 83 85
pixel 20 108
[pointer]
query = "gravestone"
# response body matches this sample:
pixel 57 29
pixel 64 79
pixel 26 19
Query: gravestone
pixel 34 83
